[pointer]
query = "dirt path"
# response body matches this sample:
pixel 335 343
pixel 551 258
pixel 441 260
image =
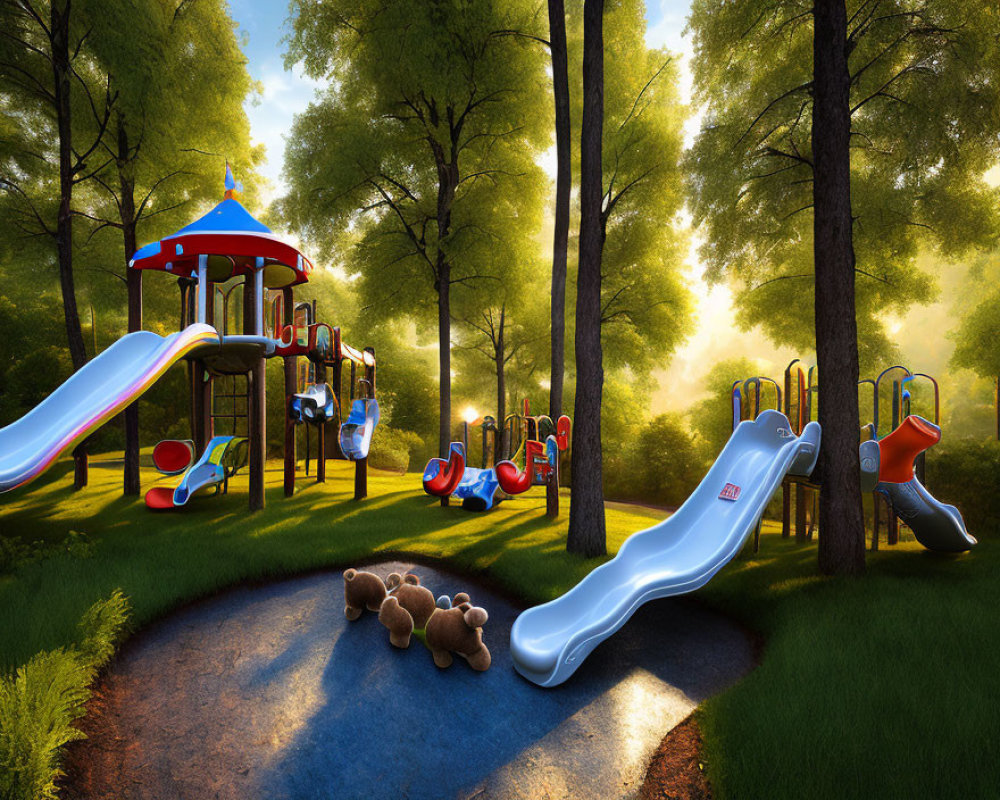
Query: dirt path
pixel 270 693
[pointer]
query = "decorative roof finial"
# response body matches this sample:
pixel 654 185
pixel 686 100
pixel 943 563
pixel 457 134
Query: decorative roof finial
pixel 230 183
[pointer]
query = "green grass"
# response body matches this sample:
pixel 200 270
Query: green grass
pixel 884 686
pixel 161 560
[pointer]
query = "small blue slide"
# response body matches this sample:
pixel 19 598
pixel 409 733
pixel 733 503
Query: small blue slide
pixel 223 456
pixel 549 642
pixel 356 432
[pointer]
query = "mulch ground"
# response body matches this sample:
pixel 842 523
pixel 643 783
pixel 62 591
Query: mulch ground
pixel 676 771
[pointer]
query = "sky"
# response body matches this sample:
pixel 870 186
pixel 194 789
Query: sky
pixel 286 93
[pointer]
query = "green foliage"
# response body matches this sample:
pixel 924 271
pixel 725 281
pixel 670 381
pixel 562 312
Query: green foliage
pixel 419 89
pixel 393 449
pixel 712 417
pixel 14 553
pixel 979 328
pixel 965 473
pixel 925 112
pixel 659 465
pixel 646 307
pixel 42 699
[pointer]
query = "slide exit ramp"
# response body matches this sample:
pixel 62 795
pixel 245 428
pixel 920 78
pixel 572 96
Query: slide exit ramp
pixel 92 395
pixel 549 642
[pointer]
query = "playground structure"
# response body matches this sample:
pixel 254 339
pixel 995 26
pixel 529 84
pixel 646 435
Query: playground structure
pixel 223 251
pixel 902 493
pixel 536 441
pixel 768 450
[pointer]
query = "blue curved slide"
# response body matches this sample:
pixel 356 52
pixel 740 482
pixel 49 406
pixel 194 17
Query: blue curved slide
pixel 90 397
pixel 356 432
pixel 549 642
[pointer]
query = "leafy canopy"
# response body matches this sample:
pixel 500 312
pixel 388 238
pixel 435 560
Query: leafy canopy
pixel 925 110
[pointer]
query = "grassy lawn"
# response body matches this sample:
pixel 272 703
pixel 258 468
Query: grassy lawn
pixel 878 687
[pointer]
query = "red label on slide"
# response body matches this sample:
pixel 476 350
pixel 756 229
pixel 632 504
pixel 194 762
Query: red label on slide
pixel 730 492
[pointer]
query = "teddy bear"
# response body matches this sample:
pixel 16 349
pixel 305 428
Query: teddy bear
pixel 406 608
pixel 362 590
pixel 458 629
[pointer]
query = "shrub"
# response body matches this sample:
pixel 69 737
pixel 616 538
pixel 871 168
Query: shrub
pixel 392 448
pixel 966 473
pixel 42 699
pixel 661 465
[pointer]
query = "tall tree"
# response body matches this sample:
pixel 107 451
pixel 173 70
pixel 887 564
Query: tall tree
pixel 841 518
pixel 922 83
pixel 586 515
pixel 42 72
pixel 156 161
pixel 564 185
pixel 918 79
pixel 433 121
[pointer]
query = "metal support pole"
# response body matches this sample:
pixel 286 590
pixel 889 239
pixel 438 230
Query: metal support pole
pixel 202 288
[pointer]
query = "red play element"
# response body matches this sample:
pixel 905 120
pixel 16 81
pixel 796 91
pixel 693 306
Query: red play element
pixel 160 497
pixel 172 456
pixel 898 450
pixel 563 427
pixel 730 492
pixel 511 479
pixel 441 477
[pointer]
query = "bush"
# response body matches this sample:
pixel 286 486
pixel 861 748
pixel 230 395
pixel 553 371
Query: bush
pixel 661 465
pixel 966 473
pixel 392 448
pixel 42 699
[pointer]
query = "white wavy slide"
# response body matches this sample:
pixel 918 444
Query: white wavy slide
pixel 680 554
pixel 90 397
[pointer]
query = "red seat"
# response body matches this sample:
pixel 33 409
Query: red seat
pixel 172 456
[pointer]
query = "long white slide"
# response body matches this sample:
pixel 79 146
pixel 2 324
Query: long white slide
pixel 680 554
pixel 90 397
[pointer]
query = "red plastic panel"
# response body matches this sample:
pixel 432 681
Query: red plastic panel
pixel 513 480
pixel 563 427
pixel 447 475
pixel 898 450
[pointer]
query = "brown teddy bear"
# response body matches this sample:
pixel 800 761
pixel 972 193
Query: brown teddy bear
pixel 406 609
pixel 458 630
pixel 362 590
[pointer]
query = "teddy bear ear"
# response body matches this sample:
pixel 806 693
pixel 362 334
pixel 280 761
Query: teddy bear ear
pixel 393 580
pixel 476 617
pixel 411 579
pixel 460 598
pixel 443 602
pixel 350 574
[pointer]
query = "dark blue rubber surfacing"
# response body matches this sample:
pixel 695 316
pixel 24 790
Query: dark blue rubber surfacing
pixel 277 695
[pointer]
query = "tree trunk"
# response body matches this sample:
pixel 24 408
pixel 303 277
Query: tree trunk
pixel 841 520
pixel 500 358
pixel 59 37
pixel 133 280
pixel 444 357
pixel 586 512
pixel 447 184
pixel 64 221
pixel 564 180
